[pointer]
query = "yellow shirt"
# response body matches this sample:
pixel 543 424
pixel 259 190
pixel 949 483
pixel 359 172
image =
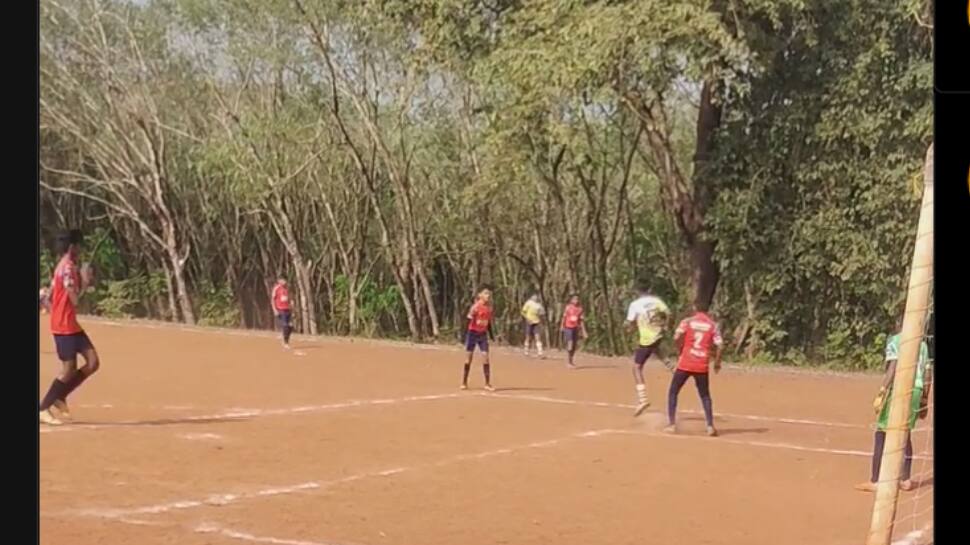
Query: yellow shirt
pixel 532 312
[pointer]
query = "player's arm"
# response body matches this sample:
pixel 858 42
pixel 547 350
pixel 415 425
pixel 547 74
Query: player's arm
pixel 679 335
pixel 631 319
pixel 491 331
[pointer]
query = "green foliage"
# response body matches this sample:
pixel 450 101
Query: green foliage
pixel 125 298
pixel 509 142
pixel 217 306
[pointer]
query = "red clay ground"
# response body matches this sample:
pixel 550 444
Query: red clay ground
pixel 195 437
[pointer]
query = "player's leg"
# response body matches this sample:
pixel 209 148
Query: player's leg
pixel 486 366
pixel 285 322
pixel 91 365
pixel 537 334
pixel 703 383
pixel 569 335
pixel 879 443
pixel 904 477
pixel 470 350
pixel 67 354
pixel 640 358
pixel 676 383
pixel 528 338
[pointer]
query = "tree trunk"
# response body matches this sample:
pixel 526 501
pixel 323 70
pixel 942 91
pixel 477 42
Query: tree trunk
pixel 705 273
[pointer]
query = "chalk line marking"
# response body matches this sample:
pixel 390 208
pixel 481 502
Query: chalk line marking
pixel 915 537
pixel 614 361
pixel 239 414
pixel 210 528
pixel 798 421
pixel 201 436
pixel 226 499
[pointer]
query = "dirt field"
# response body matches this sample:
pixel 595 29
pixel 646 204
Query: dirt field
pixel 195 437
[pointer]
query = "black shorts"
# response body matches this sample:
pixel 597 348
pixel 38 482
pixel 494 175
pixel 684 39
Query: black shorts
pixel 570 334
pixel 474 338
pixel 283 318
pixel 69 346
pixel 643 353
pixel 531 330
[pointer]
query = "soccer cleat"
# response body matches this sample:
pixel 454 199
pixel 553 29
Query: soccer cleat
pixel 711 432
pixel 62 408
pixel 641 407
pixel 47 418
pixel 866 487
pixel 670 429
pixel 489 388
pixel 906 485
pixel 463 387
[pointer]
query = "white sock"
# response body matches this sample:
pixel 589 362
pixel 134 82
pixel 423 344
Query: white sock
pixel 539 347
pixel 642 393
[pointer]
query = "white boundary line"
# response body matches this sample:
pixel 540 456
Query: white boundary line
pixel 548 399
pixel 249 413
pixel 615 361
pixel 121 514
pixel 226 499
pixel 915 537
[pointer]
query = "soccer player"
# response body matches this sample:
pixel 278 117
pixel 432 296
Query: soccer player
pixel 648 316
pixel 281 309
pixel 478 333
pixel 918 409
pixel 532 313
pixel 695 336
pixel 573 327
pixel 66 288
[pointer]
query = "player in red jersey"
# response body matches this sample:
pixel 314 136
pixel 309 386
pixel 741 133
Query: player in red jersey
pixel 695 337
pixel 478 333
pixel 573 327
pixel 68 284
pixel 281 309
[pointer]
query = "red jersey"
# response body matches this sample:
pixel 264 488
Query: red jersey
pixel 700 334
pixel 63 313
pixel 479 317
pixel 572 316
pixel 281 297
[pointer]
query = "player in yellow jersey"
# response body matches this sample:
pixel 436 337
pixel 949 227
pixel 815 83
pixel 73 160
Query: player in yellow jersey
pixel 532 314
pixel 647 315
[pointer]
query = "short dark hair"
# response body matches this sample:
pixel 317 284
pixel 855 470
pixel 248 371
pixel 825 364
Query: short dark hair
pixel 643 285
pixel 64 240
pixel 702 306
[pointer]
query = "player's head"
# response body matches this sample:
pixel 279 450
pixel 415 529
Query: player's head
pixel 643 287
pixel 485 294
pixel 281 280
pixel 574 299
pixel 702 306
pixel 534 298
pixel 69 243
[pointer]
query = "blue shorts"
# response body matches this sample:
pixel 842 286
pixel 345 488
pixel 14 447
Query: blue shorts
pixel 283 319
pixel 473 338
pixel 570 334
pixel 69 346
pixel 531 330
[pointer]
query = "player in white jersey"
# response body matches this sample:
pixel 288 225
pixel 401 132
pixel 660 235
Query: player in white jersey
pixel 648 316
